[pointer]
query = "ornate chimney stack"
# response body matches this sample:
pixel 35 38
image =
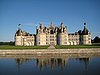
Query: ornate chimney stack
pixel 62 25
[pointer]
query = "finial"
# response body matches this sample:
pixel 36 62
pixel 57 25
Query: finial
pixel 84 23
pixel 62 23
pixel 40 23
pixel 19 26
pixel 51 23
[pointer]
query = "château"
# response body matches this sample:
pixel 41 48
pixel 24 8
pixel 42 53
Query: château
pixel 52 35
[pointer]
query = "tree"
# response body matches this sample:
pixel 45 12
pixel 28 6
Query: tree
pixel 96 39
pixel 7 43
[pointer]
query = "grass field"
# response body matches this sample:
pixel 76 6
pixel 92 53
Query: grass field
pixel 2 47
pixel 76 46
pixel 23 47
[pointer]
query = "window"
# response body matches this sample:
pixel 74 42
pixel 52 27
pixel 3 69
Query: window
pixel 77 39
pixel 51 39
pixel 65 42
pixel 89 39
pixel 51 43
pixel 32 39
pixel 89 42
pixel 46 42
pixel 51 36
pixel 77 43
pixel 51 32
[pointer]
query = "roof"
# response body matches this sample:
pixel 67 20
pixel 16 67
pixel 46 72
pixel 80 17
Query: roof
pixel 18 32
pixel 85 31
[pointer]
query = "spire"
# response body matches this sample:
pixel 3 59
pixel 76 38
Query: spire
pixel 51 23
pixel 41 25
pixel 84 24
pixel 85 30
pixel 62 24
pixel 62 27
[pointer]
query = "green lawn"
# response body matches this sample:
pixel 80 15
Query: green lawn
pixel 45 47
pixel 23 47
pixel 76 46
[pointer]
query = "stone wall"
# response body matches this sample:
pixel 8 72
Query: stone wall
pixel 50 51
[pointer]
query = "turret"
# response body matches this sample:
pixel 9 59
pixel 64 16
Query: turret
pixel 36 29
pixel 86 36
pixel 63 35
pixel 18 35
pixel 41 26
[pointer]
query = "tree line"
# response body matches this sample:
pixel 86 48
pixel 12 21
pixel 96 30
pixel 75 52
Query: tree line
pixel 96 40
pixel 7 43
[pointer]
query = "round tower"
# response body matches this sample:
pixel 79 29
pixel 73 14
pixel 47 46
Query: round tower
pixel 85 36
pixel 18 37
pixel 63 35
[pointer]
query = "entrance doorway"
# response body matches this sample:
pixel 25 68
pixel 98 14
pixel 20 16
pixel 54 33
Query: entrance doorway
pixel 52 43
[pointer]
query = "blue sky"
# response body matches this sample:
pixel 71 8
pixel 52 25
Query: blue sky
pixel 30 13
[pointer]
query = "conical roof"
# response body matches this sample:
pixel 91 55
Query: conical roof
pixel 85 30
pixel 18 32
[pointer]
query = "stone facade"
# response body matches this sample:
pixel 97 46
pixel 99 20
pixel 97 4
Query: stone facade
pixel 23 38
pixel 53 35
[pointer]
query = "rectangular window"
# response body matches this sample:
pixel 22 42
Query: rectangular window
pixel 51 39
pixel 51 36
pixel 89 39
pixel 65 42
pixel 39 42
pixel 89 42
pixel 46 42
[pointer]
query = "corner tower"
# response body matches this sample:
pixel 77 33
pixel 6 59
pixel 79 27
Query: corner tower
pixel 18 38
pixel 86 36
